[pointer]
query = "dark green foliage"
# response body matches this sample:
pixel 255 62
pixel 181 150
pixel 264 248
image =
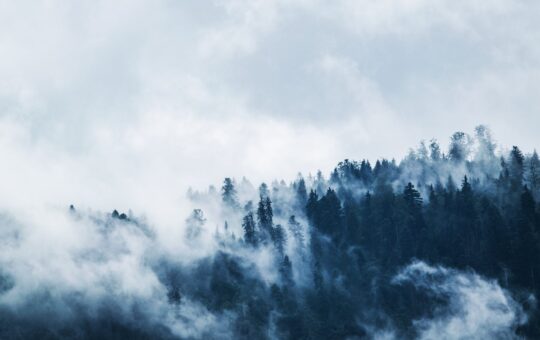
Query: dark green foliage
pixel 311 206
pixel 301 193
pixel 533 174
pixel 265 216
pixel 347 239
pixel 296 230
pixel 278 238
pixel 459 147
pixel 516 168
pixel 350 235
pixel 327 216
pixel 412 198
pixel 248 224
pixel 285 270
pixel 434 150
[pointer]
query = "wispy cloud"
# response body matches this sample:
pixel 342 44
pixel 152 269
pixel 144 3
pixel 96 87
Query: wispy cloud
pixel 473 307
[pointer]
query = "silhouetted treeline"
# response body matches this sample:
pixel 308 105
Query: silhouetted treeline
pixel 469 209
pixel 318 258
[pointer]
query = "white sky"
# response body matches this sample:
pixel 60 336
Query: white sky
pixel 126 103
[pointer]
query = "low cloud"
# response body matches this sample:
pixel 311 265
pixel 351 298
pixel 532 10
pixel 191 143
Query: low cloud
pixel 473 307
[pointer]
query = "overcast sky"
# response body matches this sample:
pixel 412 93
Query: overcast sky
pixel 126 103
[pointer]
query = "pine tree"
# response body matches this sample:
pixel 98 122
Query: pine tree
pixel 412 197
pixel 516 168
pixel 269 211
pixel 319 184
pixel 366 173
pixel 527 262
pixel 285 270
pixel 367 227
pixel 229 194
pixel 195 224
pixel 311 207
pixel 466 189
pixel 335 178
pixel 465 228
pixel 459 147
pixel 450 185
pixel 263 190
pixel 486 145
pixel 422 151
pixel 301 192
pixel 533 174
pixel 296 230
pixel 410 234
pixel 265 218
pixel 329 219
pixel 279 239
pixel 434 150
pixel 248 224
pixel 433 197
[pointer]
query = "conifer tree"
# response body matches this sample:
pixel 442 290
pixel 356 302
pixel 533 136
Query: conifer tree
pixel 195 224
pixel 301 192
pixel 279 239
pixel 296 230
pixel 516 168
pixel 248 224
pixel 533 173
pixel 265 218
pixel 229 194
pixel 459 147
pixel 434 150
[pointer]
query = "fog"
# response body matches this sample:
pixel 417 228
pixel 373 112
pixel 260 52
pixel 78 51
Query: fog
pixel 144 107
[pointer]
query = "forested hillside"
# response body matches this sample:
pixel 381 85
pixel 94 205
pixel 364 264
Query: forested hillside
pixel 442 244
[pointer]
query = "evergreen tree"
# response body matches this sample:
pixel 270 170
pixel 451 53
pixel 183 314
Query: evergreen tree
pixel 465 228
pixel 459 147
pixel 265 218
pixel 422 151
pixel 319 184
pixel 367 228
pixel 353 232
pixel 527 261
pixel 516 168
pixel 248 224
pixel 279 239
pixel 263 190
pixel 301 192
pixel 366 173
pixel 434 150
pixel 450 185
pixel 195 224
pixel 412 197
pixel 229 194
pixel 533 173
pixel 486 145
pixel 285 271
pixel 311 207
pixel 329 216
pixel 410 233
pixel 296 230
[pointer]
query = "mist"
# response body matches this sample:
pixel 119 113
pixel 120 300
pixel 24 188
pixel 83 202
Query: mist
pixel 269 169
pixel 245 260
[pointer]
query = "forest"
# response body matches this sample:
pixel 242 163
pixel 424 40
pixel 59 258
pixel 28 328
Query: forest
pixel 441 244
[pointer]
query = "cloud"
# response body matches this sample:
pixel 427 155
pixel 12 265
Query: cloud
pixel 337 81
pixel 474 307
pixel 82 272
pixel 127 104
